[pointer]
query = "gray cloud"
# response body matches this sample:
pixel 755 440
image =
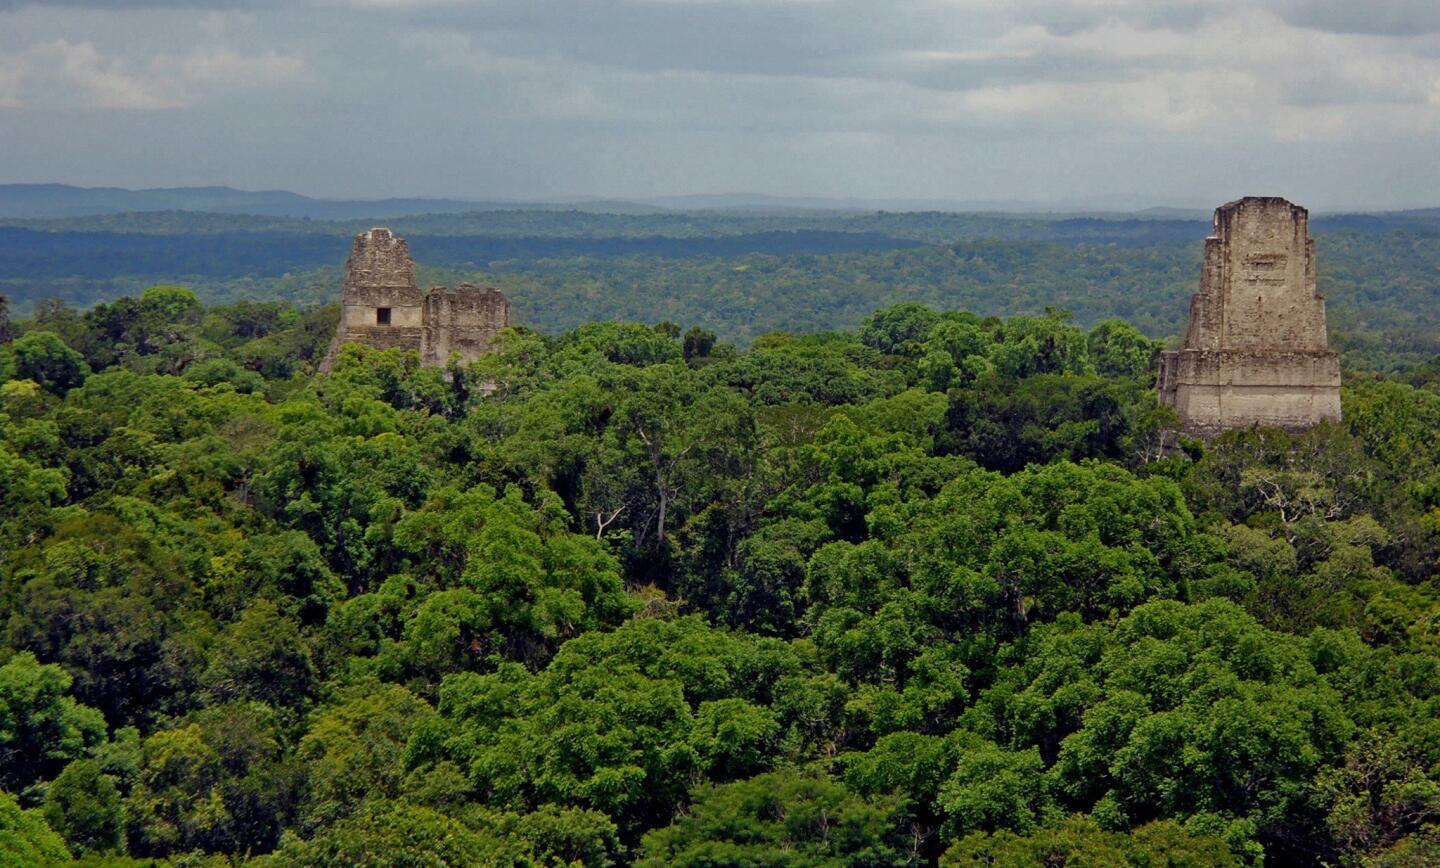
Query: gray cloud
pixel 122 5
pixel 135 4
pixel 1174 99
pixel 1375 17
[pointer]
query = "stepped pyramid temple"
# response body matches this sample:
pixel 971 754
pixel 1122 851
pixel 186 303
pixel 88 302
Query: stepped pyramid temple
pixel 381 306
pixel 1256 350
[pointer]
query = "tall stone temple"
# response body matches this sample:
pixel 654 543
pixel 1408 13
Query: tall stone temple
pixel 1256 350
pixel 381 306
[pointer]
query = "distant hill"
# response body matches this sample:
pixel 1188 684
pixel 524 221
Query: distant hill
pixel 759 203
pixel 27 253
pixel 936 227
pixel 62 201
pixel 737 271
pixel 49 201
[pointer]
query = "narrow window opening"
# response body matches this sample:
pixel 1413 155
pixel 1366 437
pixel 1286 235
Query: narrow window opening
pixel 382 316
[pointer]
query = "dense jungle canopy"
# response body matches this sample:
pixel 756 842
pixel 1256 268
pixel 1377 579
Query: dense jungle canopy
pixel 925 591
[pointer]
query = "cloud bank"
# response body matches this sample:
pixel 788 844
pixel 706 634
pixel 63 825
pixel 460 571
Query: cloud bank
pixel 1180 101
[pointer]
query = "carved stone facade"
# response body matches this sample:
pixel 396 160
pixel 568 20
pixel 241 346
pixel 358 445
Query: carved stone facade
pixel 1256 351
pixel 381 306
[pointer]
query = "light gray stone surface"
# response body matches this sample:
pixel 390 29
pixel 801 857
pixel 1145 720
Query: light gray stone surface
pixel 1256 351
pixel 380 276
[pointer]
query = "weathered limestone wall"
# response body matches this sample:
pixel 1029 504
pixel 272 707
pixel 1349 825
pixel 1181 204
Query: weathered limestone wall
pixel 380 282
pixel 379 274
pixel 463 320
pixel 1256 351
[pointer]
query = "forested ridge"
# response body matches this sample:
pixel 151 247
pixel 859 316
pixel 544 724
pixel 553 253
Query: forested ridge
pixel 741 275
pixel 925 591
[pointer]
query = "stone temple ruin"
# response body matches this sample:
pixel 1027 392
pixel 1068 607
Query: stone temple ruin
pixel 382 307
pixel 1256 350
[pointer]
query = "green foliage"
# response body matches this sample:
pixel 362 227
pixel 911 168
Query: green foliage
pixel 83 805
pixel 394 835
pixel 1119 350
pixel 933 589
pixel 620 343
pixel 103 597
pixel 556 836
pixel 44 358
pixel 515 582
pixel 353 751
pixel 219 782
pixel 697 344
pixel 611 723
pixel 27 490
pixel 734 738
pixel 1386 789
pixel 1421 849
pixel 1078 843
pixel 783 818
pixel 25 839
pixel 170 304
pixel 260 657
pixel 993 788
pixel 1173 712
pixel 42 728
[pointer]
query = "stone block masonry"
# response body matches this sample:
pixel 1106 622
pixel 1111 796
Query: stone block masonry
pixel 462 320
pixel 382 307
pixel 1256 351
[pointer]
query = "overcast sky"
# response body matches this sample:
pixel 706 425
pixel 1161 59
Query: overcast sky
pixel 1334 103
